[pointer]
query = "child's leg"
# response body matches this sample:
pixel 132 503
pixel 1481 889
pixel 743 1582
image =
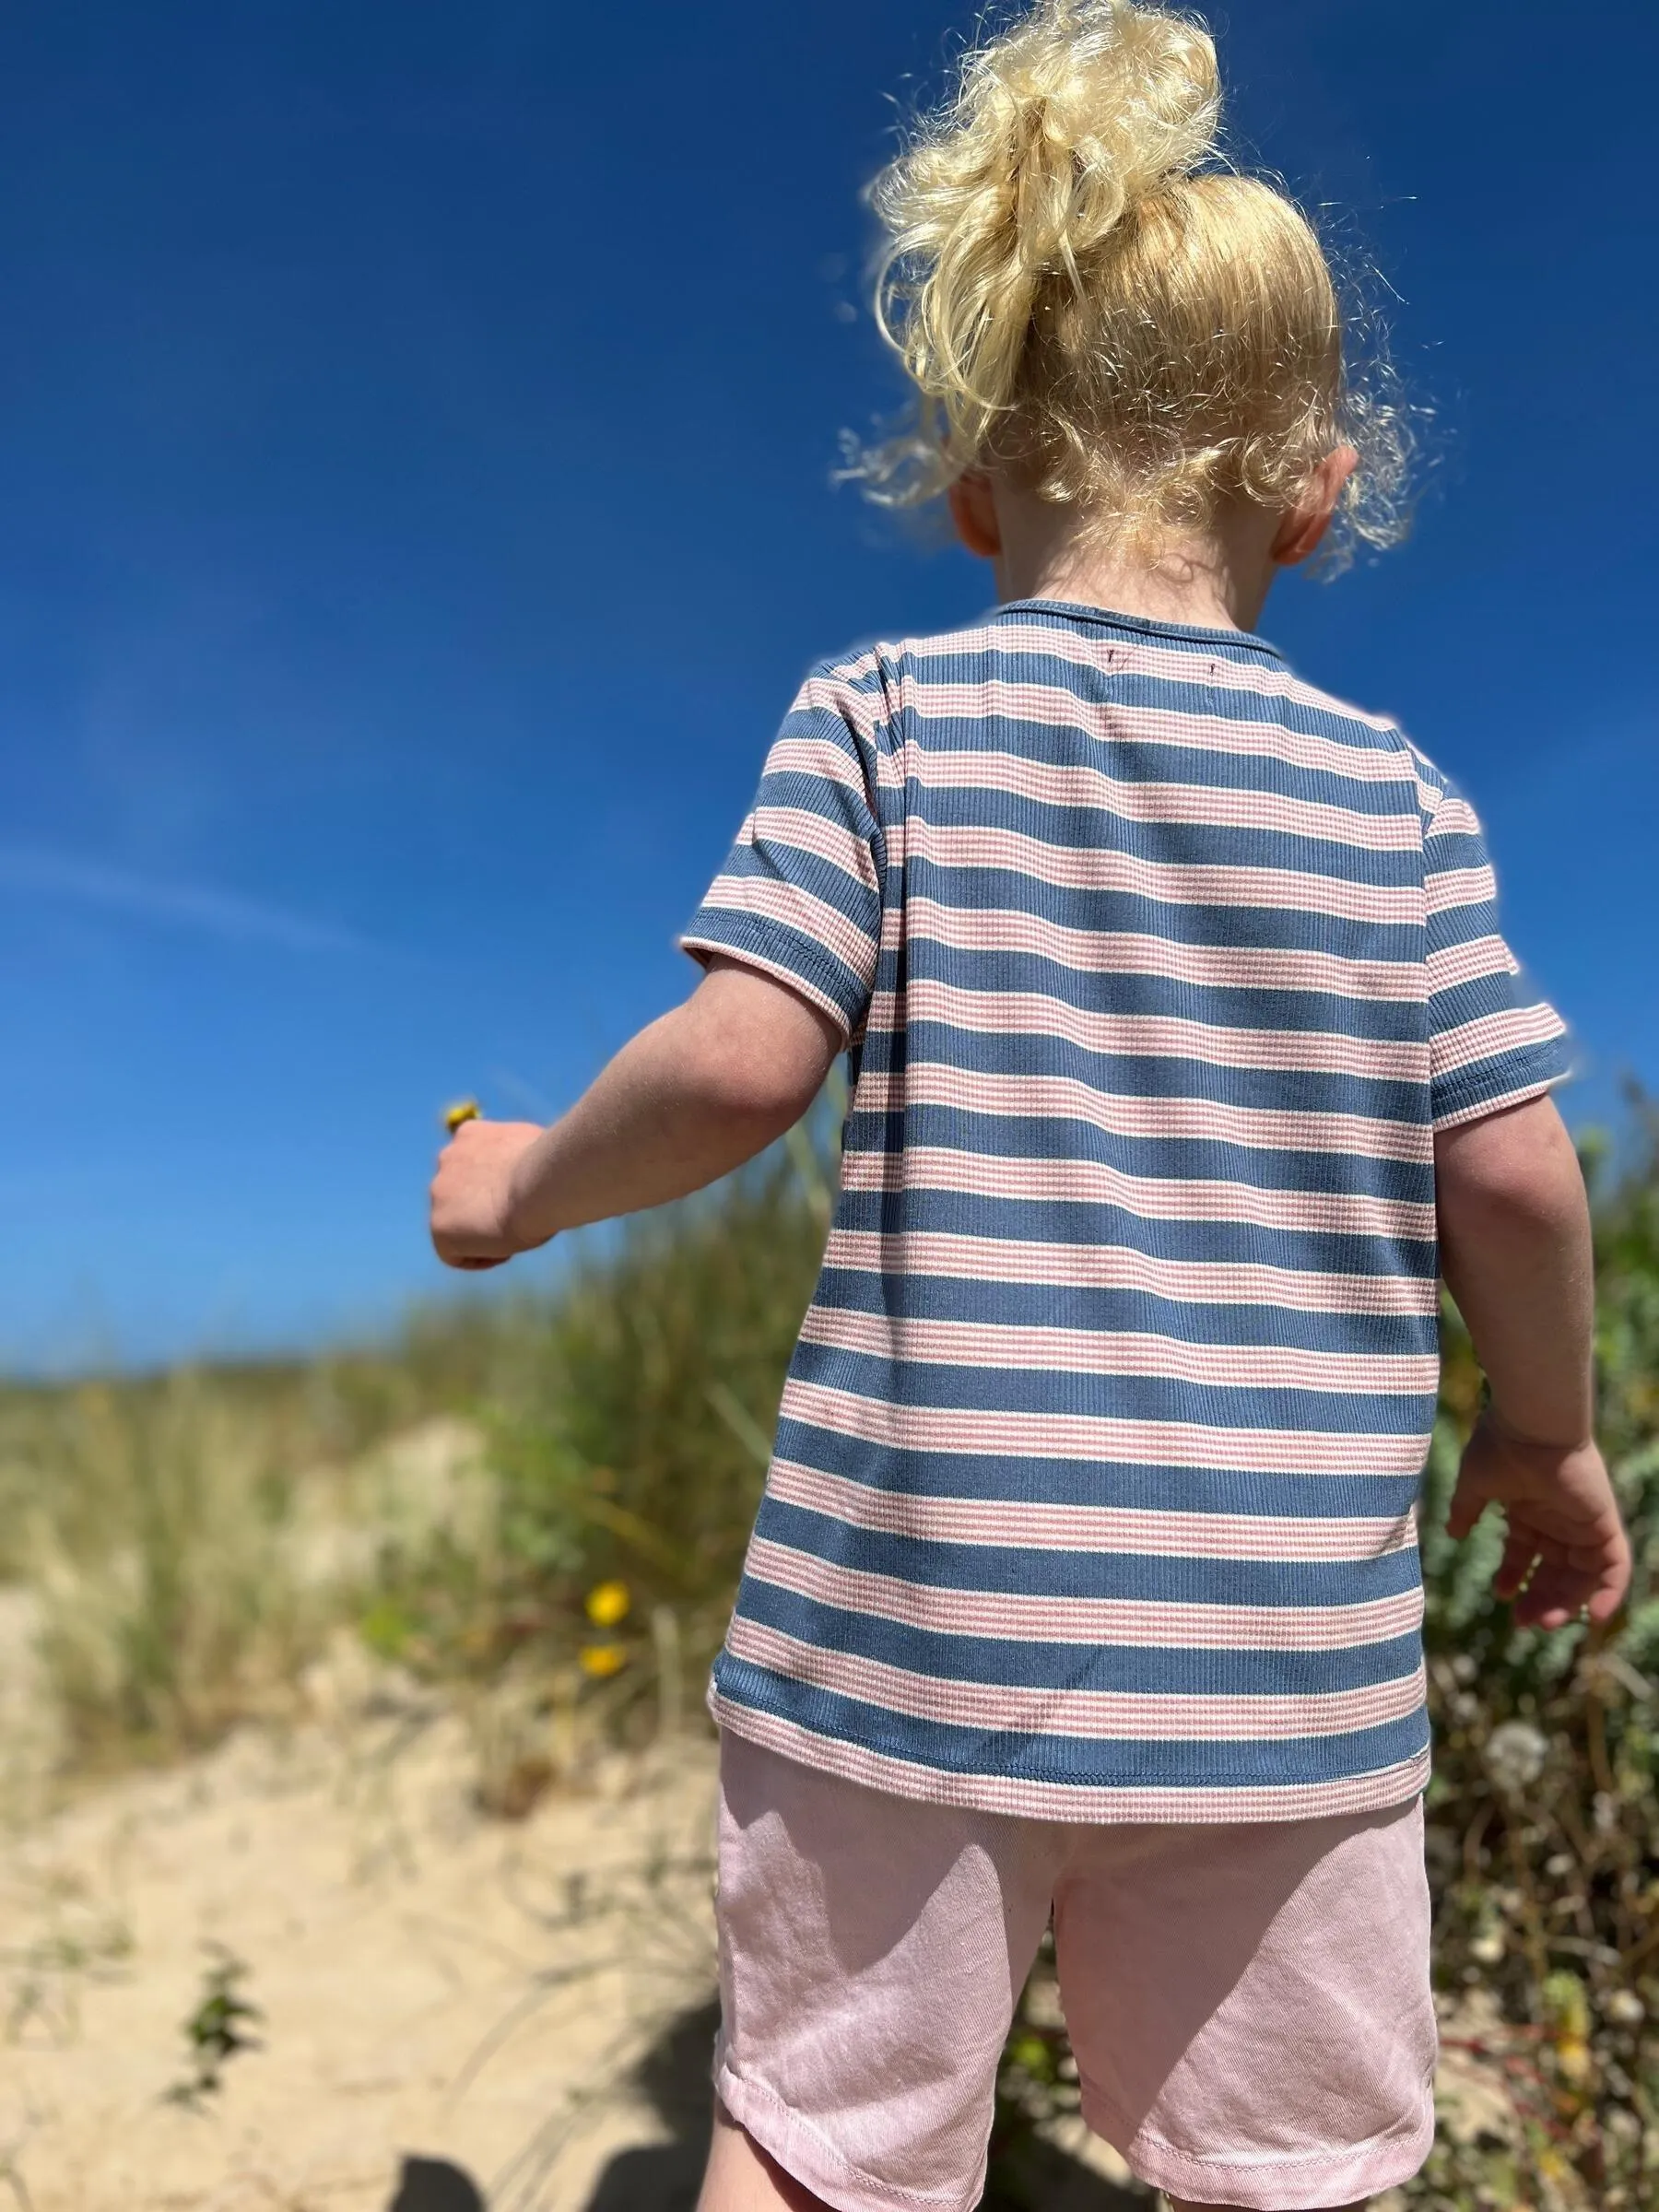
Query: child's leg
pixel 1181 2203
pixel 742 2178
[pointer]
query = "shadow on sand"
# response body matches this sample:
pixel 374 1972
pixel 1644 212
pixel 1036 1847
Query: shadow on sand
pixel 664 2177
pixel 434 2185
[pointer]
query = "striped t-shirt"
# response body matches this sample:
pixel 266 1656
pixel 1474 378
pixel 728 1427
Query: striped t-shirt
pixel 1094 1486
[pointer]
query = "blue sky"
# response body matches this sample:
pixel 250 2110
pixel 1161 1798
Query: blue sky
pixel 415 431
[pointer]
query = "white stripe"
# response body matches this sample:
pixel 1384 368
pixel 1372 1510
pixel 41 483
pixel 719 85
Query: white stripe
pixel 1145 1623
pixel 1215 806
pixel 1490 1034
pixel 1037 1014
pixel 1187 1120
pixel 1128 952
pixel 1114 1803
pixel 1026 1524
pixel 799 830
pixel 1149 1197
pixel 1446 889
pixel 1106 1438
pixel 1121 653
pixel 1084 1715
pixel 1469 962
pixel 772 900
pixel 1111 1352
pixel 1117 1267
pixel 1104 868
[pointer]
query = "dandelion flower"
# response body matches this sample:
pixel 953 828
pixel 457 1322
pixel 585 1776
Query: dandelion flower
pixel 607 1603
pixel 601 1659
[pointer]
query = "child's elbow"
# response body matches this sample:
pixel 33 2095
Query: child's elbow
pixel 768 1094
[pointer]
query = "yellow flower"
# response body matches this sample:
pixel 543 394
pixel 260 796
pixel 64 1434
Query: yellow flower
pixel 608 1603
pixel 601 1659
pixel 1572 2055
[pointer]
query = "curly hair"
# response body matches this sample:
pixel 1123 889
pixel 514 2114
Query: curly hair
pixel 1083 292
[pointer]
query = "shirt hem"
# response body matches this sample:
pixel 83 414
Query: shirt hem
pixel 704 949
pixel 1101 1805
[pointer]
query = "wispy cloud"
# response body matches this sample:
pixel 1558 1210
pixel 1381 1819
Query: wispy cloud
pixel 34 874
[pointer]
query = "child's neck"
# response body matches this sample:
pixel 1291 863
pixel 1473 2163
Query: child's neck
pixel 1217 579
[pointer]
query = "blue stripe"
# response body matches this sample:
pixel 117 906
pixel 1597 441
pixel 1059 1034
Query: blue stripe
pixel 1155 1158
pixel 1077 828
pixel 975 887
pixel 967 1386
pixel 1148 1670
pixel 882 792
pixel 1126 991
pixel 1189 1243
pixel 1122 1764
pixel 1131 1485
pixel 1019 1571
pixel 923 1297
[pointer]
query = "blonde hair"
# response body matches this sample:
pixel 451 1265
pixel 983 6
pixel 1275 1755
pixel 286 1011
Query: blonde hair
pixel 1082 292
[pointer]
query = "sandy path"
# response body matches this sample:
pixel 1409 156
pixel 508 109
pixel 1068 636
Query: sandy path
pixel 432 1984
pixel 455 2011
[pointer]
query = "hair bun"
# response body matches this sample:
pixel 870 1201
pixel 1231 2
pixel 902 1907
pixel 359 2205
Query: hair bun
pixel 1059 126
pixel 1083 292
pixel 1101 103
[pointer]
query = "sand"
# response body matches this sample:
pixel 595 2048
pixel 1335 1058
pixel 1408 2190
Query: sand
pixel 474 1997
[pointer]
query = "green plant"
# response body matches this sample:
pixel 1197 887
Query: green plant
pixel 628 1430
pixel 215 2031
pixel 153 1537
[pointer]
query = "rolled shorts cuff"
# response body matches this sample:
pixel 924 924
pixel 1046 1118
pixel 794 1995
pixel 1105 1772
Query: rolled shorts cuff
pixel 807 2157
pixel 1259 2183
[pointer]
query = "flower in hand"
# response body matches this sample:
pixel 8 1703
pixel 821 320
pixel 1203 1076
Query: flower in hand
pixel 1566 1550
pixel 472 1193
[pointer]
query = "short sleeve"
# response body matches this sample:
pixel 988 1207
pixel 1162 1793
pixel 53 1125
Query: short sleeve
pixel 1492 1040
pixel 800 895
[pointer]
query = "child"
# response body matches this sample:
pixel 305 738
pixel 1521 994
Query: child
pixel 1185 1056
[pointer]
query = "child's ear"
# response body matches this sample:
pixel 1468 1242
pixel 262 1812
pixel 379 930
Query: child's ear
pixel 1303 528
pixel 973 512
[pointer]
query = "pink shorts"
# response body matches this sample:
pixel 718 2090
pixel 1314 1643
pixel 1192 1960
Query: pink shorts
pixel 1249 2006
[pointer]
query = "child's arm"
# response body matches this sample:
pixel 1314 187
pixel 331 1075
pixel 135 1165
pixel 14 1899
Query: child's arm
pixel 693 1096
pixel 1514 1228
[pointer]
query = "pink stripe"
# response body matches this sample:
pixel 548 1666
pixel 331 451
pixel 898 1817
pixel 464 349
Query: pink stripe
pixel 1094 1716
pixel 1101 1437
pixel 1026 1525
pixel 1199 1121
pixel 1104 868
pixel 1123 952
pixel 1446 889
pixel 1116 1267
pixel 799 830
pixel 1118 657
pixel 1110 1352
pixel 1035 1014
pixel 1485 1037
pixel 1213 805
pixel 1070 1801
pixel 1029 1620
pixel 1453 818
pixel 1149 1197
pixel 1469 963
pixel 819 757
pixel 775 900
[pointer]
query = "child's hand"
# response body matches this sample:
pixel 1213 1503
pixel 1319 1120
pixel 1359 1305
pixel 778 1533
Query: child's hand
pixel 472 1192
pixel 1567 1548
